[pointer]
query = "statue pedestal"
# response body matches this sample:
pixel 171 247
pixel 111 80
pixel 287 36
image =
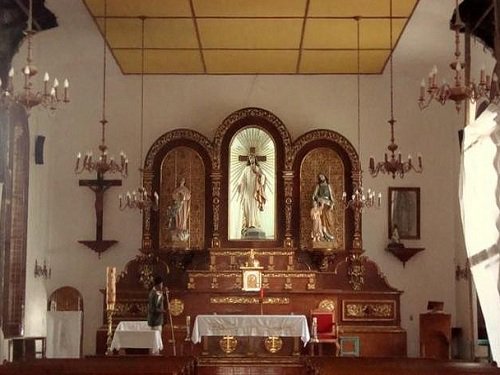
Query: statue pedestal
pixel 254 234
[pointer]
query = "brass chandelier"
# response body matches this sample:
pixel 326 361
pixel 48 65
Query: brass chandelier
pixel 49 97
pixel 392 164
pixel 359 199
pixel 102 164
pixel 460 89
pixel 140 199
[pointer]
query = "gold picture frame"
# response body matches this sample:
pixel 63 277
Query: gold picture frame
pixel 252 280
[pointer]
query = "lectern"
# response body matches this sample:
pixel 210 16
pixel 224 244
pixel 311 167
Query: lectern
pixel 435 335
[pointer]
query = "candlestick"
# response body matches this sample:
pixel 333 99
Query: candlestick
pixel 188 328
pixel 110 287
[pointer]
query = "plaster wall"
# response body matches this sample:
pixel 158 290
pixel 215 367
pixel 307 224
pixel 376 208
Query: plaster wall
pixel 61 212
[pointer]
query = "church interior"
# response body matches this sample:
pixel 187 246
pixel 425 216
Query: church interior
pixel 309 180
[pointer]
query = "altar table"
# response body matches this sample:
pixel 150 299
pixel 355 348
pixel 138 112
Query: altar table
pixel 251 325
pixel 136 335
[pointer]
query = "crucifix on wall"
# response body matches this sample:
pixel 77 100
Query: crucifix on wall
pixel 99 187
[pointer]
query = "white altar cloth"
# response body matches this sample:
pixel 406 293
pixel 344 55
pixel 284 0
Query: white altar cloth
pixel 251 325
pixel 136 335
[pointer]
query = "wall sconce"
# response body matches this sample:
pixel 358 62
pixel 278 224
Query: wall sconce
pixel 462 272
pixel 42 271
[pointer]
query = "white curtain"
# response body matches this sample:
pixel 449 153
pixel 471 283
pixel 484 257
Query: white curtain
pixel 480 209
pixel 64 334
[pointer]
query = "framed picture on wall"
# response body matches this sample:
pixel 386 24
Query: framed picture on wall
pixel 404 212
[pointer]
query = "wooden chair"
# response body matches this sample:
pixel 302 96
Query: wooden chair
pixel 324 331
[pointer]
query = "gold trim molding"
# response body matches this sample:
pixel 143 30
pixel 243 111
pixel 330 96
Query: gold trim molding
pixel 368 310
pixel 235 300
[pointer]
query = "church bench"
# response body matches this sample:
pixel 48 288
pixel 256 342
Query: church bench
pixel 386 366
pixel 114 365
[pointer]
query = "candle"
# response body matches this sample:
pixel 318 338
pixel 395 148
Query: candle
pixel 78 157
pixel 188 325
pixel 66 86
pixel 110 287
pixel 262 293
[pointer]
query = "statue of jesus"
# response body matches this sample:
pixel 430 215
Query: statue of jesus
pixel 251 193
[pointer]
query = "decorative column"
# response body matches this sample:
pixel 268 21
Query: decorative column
pixel 216 181
pixel 356 270
pixel 288 183
pixel 147 242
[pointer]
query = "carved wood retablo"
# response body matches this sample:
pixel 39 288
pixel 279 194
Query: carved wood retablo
pixel 179 163
pixel 327 162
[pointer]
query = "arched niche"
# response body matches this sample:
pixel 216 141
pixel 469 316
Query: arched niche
pixel 65 323
pixel 176 155
pixel 244 132
pixel 330 153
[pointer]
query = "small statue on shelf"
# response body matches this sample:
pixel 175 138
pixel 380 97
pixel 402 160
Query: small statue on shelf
pixel 395 240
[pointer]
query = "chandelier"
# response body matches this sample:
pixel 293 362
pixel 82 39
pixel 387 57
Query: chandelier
pixel 140 199
pixel 103 164
pixel 393 164
pixel 460 89
pixel 359 200
pixel 28 97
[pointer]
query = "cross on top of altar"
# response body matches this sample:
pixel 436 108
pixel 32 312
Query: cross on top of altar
pixel 252 153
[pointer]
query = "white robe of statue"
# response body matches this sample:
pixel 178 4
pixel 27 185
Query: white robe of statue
pixel 251 186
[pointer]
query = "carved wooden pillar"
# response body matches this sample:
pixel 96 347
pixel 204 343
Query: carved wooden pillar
pixel 288 183
pixel 357 242
pixel 216 182
pixel 356 270
pixel 147 242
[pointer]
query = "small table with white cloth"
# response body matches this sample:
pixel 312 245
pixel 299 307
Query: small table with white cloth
pixel 251 326
pixel 136 335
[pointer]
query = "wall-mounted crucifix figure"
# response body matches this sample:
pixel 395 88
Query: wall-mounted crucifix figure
pixel 99 187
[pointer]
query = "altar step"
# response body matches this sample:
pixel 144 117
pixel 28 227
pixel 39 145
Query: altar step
pixel 251 366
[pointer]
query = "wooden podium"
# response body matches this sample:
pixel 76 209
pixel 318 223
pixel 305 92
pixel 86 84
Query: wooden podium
pixel 435 335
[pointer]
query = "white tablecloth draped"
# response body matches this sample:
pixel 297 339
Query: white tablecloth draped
pixel 251 325
pixel 64 330
pixel 136 335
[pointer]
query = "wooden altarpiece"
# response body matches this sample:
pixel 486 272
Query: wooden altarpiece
pixel 202 264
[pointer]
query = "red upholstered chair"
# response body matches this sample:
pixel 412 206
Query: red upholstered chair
pixel 324 330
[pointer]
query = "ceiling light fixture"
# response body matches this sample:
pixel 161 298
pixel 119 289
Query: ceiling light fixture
pixel 140 199
pixel 104 164
pixel 392 164
pixel 28 97
pixel 359 199
pixel 460 90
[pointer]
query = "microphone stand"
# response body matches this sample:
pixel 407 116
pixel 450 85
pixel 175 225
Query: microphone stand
pixel 171 322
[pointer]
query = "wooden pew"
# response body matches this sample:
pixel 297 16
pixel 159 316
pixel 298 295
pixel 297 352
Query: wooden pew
pixel 113 365
pixel 395 366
